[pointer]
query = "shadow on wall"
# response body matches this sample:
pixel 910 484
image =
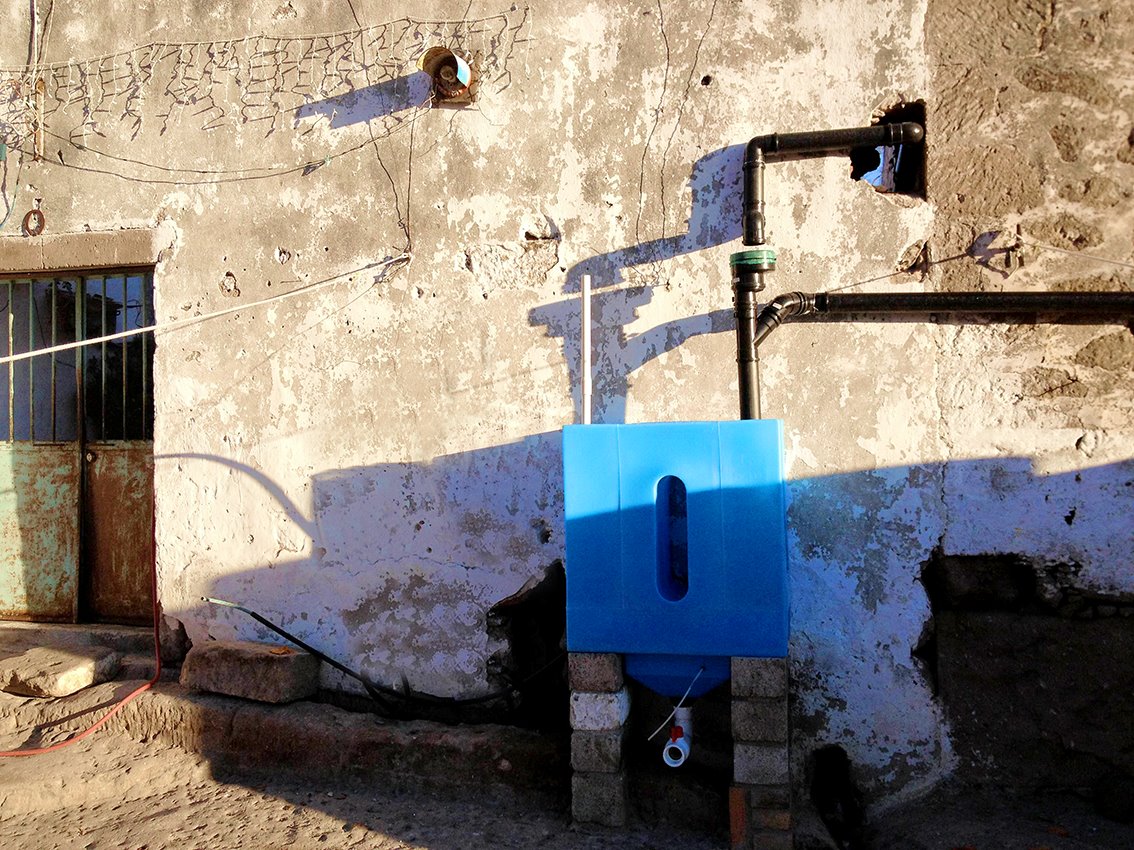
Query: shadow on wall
pixel 406 559
pixel 417 572
pixel 363 105
pixel 964 588
pixel 395 543
pixel 714 220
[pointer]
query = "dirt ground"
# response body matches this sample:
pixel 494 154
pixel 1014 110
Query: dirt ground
pixel 114 792
pixel 109 792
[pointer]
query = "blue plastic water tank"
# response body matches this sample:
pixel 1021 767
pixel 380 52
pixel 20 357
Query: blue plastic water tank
pixel 676 546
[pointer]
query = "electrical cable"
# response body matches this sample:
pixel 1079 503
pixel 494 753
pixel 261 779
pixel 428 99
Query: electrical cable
pixel 380 693
pixel 385 265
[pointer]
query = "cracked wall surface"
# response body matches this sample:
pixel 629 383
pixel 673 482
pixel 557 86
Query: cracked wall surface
pixel 373 464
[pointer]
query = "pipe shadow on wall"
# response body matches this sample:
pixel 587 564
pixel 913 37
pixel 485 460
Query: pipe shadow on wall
pixel 624 281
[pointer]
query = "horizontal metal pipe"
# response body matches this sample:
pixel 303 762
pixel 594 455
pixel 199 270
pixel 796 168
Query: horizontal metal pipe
pixel 826 141
pixel 1097 306
pixel 994 303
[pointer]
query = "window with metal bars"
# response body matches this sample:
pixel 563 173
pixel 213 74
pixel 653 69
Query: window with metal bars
pixel 99 392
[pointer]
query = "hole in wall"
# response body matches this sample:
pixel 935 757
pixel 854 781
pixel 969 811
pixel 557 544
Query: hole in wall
pixel 898 169
pixel 1032 669
pixel 531 623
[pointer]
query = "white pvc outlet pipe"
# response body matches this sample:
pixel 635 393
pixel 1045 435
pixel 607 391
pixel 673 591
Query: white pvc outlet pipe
pixel 586 350
pixel 676 750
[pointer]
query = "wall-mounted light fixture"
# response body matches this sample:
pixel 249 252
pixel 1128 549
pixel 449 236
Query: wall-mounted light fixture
pixel 454 82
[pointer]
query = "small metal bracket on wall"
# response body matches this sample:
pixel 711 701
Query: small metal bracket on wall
pixel 453 75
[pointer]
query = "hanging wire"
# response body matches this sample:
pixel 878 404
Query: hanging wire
pixel 386 267
pixel 680 702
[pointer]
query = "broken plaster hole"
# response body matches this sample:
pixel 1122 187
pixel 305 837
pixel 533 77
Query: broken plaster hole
pixel 228 285
pixel 282 255
pixel 707 80
pixel 896 169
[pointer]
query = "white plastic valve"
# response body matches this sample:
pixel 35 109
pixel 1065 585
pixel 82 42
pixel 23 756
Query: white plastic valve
pixel 676 750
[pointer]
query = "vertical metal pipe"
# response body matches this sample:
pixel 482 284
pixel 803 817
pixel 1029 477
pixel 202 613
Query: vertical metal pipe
pixel 54 334
pixel 31 362
pixel 125 350
pixel 80 362
pixel 11 369
pixel 102 363
pixel 143 320
pixel 748 368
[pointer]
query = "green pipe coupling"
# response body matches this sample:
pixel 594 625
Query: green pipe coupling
pixel 749 266
pixel 754 260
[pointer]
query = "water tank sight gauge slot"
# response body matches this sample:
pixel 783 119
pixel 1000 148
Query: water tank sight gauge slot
pixel 672 512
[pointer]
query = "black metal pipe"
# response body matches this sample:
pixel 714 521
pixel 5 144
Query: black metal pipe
pixel 781 309
pixel 816 143
pixel 819 142
pixel 747 362
pixel 1053 306
pixel 992 303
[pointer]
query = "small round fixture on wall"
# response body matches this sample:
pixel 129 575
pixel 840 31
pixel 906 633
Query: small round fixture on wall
pixel 34 222
pixel 452 75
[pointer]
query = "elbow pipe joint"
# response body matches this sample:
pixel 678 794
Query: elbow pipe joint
pixel 780 309
pixel 760 149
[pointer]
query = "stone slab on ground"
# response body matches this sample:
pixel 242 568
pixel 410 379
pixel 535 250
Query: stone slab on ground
pixel 55 671
pixel 256 671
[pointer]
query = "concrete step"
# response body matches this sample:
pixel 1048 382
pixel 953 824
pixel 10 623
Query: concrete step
pixel 138 666
pixel 122 639
pixel 306 740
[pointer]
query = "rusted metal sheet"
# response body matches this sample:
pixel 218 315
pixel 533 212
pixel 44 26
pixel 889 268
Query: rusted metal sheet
pixel 118 531
pixel 39 531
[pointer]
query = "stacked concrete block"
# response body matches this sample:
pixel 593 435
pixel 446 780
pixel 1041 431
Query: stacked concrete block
pixel 760 797
pixel 600 705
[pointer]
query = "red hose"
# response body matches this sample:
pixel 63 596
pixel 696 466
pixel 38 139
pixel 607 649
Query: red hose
pixel 35 751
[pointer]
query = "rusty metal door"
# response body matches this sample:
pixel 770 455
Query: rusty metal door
pixel 39 453
pixel 76 460
pixel 117 488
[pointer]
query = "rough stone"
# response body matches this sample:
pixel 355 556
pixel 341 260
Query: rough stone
pixel 759 677
pixel 766 840
pixel 599 712
pixel 598 672
pixel 768 796
pixel 597 752
pixel 772 819
pixel 57 671
pixel 761 764
pixel 599 798
pixel 756 720
pixel 1070 718
pixel 175 642
pixel 253 671
pixel 1114 351
pixel 1065 231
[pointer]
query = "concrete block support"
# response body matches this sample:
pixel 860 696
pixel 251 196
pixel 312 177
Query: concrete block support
pixel 597 672
pixel 600 705
pixel 255 671
pixel 760 814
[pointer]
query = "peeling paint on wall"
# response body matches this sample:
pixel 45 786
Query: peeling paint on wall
pixel 375 464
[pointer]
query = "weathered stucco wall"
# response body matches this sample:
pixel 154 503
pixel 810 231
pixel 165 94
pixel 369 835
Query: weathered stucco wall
pixel 376 462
